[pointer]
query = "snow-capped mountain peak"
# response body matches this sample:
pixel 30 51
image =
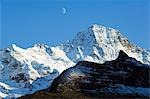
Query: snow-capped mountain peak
pixel 100 44
pixel 23 71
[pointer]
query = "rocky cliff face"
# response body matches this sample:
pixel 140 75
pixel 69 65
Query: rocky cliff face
pixel 124 76
pixel 23 71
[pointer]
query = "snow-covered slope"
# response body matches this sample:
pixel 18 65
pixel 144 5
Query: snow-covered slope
pixel 100 44
pixel 24 71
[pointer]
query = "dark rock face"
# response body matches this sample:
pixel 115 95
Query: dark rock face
pixel 124 77
pixel 121 77
pixel 20 77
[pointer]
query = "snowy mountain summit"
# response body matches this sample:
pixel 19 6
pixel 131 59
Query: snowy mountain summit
pixel 100 44
pixel 24 71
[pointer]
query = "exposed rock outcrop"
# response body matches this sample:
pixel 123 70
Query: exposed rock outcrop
pixel 123 77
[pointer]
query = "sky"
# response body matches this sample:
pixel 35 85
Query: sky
pixel 26 22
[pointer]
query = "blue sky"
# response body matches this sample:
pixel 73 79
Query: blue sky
pixel 25 22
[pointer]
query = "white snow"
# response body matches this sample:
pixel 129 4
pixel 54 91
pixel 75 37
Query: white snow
pixel 24 71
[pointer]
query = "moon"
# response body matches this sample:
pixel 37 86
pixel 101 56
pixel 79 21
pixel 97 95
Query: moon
pixel 64 10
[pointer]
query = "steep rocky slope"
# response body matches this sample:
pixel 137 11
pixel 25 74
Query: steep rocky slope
pixel 23 71
pixel 123 77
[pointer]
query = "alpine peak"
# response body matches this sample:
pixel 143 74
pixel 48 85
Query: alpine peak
pixel 23 71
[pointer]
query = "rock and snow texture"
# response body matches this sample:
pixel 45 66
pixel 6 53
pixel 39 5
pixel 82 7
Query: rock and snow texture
pixel 100 44
pixel 123 77
pixel 24 71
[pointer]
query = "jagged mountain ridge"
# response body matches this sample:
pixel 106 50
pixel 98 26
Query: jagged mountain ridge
pixel 124 77
pixel 24 71
pixel 100 44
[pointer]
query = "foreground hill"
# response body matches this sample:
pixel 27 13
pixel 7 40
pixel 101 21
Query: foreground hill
pixel 124 77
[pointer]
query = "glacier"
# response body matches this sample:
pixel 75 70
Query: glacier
pixel 25 71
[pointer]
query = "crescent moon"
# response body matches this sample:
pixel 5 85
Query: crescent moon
pixel 64 10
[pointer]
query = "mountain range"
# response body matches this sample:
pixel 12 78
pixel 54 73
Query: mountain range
pixel 124 77
pixel 25 71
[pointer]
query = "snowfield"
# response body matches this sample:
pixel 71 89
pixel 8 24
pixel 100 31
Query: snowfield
pixel 25 71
